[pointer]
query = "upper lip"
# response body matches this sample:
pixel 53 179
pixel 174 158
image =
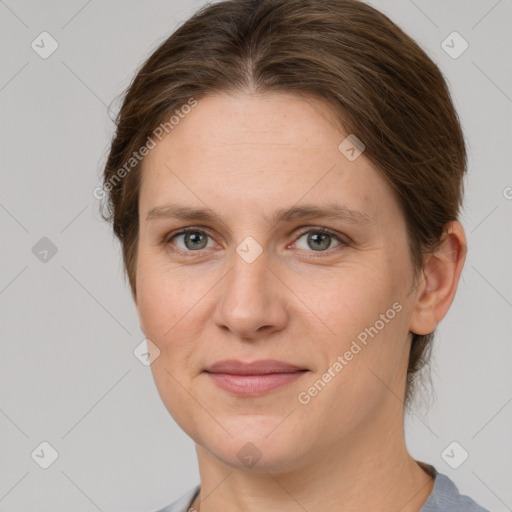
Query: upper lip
pixel 261 367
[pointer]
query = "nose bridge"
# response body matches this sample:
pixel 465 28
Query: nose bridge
pixel 249 298
pixel 249 263
pixel 248 282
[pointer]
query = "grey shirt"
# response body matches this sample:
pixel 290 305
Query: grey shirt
pixel 444 497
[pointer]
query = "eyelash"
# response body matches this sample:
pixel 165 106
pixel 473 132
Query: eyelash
pixel 309 229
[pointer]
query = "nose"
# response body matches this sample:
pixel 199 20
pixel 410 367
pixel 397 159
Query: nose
pixel 252 300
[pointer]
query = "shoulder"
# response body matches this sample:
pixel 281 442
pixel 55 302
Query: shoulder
pixel 445 497
pixel 184 503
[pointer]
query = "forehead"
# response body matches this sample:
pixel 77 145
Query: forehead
pixel 252 150
pixel 277 121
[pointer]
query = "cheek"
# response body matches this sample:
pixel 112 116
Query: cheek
pixel 162 310
pixel 356 298
pixel 158 309
pixel 365 312
pixel 160 304
pixel 171 306
pixel 161 296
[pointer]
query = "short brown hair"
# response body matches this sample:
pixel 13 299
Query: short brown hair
pixel 380 84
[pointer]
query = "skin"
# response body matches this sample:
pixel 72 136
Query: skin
pixel 244 156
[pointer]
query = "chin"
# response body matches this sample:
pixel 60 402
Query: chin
pixel 252 448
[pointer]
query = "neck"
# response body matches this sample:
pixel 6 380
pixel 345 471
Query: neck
pixel 370 470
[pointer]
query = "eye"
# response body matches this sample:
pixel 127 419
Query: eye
pixel 193 240
pixel 319 240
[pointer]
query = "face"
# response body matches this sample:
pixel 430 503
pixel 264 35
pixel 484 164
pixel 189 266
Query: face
pixel 259 276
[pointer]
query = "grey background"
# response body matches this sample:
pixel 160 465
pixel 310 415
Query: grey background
pixel 68 375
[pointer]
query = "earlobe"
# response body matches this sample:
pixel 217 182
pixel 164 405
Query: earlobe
pixel 439 281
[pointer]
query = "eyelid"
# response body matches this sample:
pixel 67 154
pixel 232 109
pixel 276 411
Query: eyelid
pixel 168 237
pixel 344 239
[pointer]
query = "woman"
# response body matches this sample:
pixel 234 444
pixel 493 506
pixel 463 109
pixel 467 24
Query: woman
pixel 285 182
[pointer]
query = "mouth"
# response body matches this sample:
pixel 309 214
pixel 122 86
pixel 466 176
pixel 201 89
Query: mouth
pixel 255 378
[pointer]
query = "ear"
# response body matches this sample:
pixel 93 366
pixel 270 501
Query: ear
pixel 440 278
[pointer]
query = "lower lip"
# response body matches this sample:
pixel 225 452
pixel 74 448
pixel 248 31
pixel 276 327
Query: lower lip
pixel 253 385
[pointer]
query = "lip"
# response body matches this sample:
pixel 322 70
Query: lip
pixel 261 367
pixel 254 378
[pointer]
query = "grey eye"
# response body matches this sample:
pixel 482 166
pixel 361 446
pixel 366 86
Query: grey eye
pixel 317 240
pixel 192 240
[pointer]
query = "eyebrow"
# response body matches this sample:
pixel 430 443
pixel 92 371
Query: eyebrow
pixel 331 211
